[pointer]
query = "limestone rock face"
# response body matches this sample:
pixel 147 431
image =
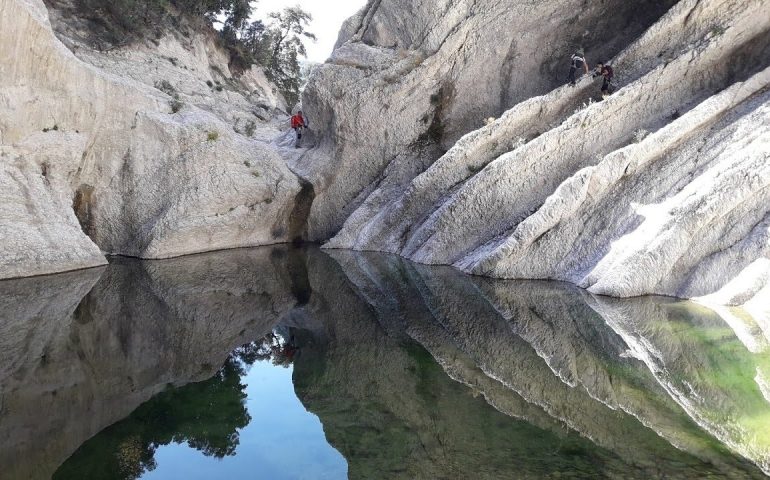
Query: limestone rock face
pixel 130 151
pixel 559 187
pixel 402 89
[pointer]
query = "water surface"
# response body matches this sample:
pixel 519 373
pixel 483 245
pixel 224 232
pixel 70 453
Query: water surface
pixel 284 363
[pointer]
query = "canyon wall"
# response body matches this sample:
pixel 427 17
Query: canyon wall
pixel 662 188
pixel 157 149
pixel 151 150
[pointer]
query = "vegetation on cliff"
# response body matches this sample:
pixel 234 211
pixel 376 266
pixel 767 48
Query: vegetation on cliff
pixel 277 44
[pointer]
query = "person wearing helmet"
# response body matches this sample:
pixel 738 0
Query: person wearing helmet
pixel 578 62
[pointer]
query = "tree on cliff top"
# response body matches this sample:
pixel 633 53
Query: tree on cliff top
pixel 286 45
pixel 277 46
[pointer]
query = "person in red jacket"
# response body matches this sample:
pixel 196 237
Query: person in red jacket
pixel 298 122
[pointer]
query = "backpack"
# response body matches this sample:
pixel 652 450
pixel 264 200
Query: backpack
pixel 577 61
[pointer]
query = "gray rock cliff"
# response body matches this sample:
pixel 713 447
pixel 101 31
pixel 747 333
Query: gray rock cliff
pixel 662 188
pixel 97 159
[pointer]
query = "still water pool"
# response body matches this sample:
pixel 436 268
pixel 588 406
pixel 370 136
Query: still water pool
pixel 245 419
pixel 282 363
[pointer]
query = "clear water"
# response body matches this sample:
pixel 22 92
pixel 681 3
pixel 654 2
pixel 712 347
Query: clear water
pixel 280 427
pixel 280 363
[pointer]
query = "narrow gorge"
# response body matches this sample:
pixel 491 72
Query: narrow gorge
pixel 468 268
pixel 662 188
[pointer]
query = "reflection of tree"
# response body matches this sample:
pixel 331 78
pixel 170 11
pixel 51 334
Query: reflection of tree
pixel 206 416
pixel 272 347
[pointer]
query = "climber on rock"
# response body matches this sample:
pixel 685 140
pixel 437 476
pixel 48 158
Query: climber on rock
pixel 578 62
pixel 298 123
pixel 605 70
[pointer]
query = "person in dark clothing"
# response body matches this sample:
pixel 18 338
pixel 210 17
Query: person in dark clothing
pixel 578 63
pixel 607 73
pixel 298 122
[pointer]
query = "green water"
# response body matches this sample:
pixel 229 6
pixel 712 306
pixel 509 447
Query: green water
pixel 281 363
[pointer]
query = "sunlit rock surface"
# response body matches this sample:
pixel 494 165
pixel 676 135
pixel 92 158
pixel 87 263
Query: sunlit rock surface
pixel 94 159
pixel 402 89
pixel 660 189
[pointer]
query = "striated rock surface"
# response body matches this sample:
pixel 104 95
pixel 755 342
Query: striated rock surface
pixel 97 159
pixel 401 89
pixel 557 187
pixel 157 149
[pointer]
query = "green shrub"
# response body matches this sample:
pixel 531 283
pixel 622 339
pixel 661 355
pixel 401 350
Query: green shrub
pixel 212 136
pixel 276 44
pixel 175 103
pixel 119 22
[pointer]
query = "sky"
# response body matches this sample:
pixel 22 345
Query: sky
pixel 328 16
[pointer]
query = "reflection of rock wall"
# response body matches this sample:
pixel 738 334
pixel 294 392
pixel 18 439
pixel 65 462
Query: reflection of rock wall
pixel 392 411
pixel 701 363
pixel 617 387
pixel 87 359
pixel 535 351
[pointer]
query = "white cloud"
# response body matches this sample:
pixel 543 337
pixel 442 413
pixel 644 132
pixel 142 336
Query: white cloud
pixel 328 16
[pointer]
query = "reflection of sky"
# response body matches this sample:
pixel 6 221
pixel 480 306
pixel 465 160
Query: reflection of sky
pixel 283 440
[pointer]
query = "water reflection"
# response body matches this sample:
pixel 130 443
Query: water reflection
pixel 244 420
pixel 205 416
pixel 87 348
pixel 413 371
